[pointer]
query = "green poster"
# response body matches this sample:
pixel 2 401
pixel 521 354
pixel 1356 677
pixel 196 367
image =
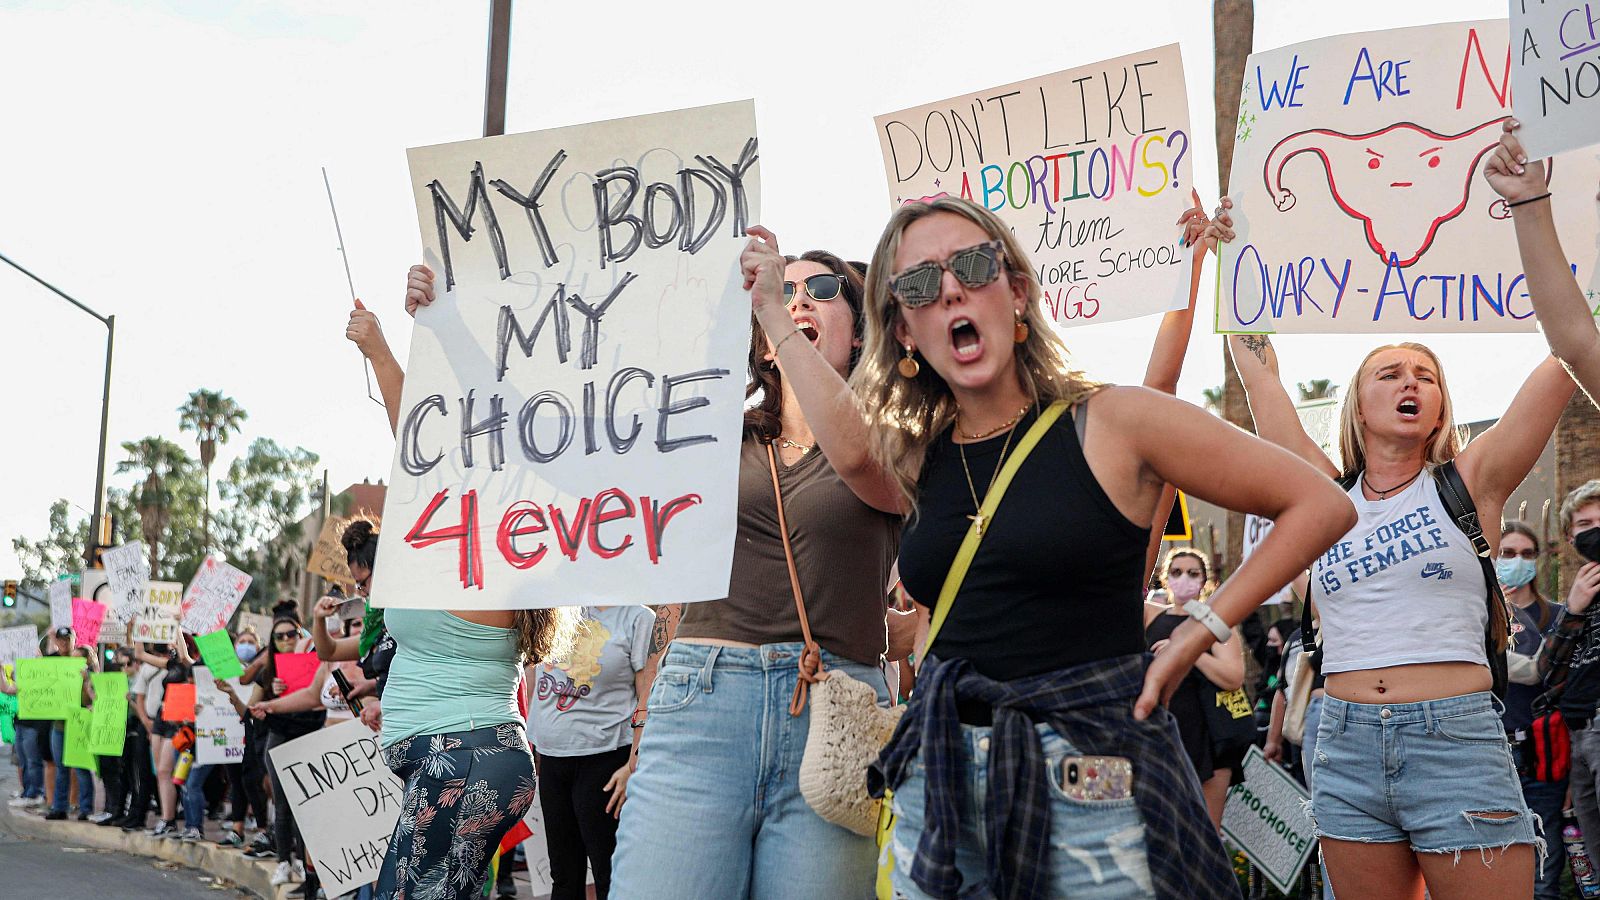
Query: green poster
pixel 217 650
pixel 8 717
pixel 108 724
pixel 49 687
pixel 76 754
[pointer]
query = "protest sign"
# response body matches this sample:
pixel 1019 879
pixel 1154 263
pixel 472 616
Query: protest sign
pixel 87 616
pixel 75 752
pixel 590 344
pixel 1090 167
pixel 213 594
pixel 8 719
pixel 1555 74
pixel 158 615
pixel 18 642
pixel 296 669
pixel 258 623
pixel 48 687
pixel 1256 529
pixel 177 703
pixel 218 730
pixel 345 801
pixel 113 632
pixel 128 572
pixel 60 594
pixel 1265 818
pixel 328 559
pixel 1359 203
pixel 109 724
pixel 217 650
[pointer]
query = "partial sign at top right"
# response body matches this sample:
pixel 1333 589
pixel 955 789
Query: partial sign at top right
pixel 1555 73
pixel 1359 199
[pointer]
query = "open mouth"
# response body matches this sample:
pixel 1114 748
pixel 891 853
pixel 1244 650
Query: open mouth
pixel 808 329
pixel 965 340
pixel 1409 409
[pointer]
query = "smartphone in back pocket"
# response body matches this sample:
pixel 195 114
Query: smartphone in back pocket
pixel 1091 778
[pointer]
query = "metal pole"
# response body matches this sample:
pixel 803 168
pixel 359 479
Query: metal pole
pixel 494 95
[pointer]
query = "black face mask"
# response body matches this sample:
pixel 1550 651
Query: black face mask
pixel 1587 543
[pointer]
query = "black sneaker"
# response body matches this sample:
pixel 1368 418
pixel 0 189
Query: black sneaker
pixel 55 815
pixel 131 823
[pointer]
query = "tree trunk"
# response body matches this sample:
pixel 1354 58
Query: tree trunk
pixel 1577 461
pixel 1233 32
pixel 207 545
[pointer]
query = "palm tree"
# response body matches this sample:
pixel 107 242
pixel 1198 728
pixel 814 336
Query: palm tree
pixel 1233 34
pixel 1213 399
pixel 212 417
pixel 160 460
pixel 1316 389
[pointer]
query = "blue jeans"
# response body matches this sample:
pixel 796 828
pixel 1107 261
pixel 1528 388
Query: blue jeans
pixel 1096 848
pixel 32 759
pixel 194 796
pixel 58 745
pixel 714 809
pixel 1546 799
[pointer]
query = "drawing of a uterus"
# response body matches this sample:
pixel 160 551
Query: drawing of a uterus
pixel 1402 181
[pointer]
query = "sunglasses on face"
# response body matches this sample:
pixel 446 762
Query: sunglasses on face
pixel 974 267
pixel 822 286
pixel 1508 553
pixel 284 635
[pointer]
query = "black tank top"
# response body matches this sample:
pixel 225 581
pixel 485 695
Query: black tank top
pixel 1188 702
pixel 1056 581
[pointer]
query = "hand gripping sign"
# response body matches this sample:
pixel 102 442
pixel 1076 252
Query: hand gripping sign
pixel 1359 201
pixel 569 431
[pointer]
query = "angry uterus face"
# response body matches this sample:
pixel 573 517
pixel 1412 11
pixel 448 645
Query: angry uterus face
pixel 1402 182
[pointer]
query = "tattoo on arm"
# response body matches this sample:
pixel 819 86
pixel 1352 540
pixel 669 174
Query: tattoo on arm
pixel 1257 344
pixel 666 625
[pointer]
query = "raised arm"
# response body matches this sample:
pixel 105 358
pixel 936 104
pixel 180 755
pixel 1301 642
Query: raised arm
pixel 832 412
pixel 330 648
pixel 364 330
pixel 1565 314
pixel 1172 337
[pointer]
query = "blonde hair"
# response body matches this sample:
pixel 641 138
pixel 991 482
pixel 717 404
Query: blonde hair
pixel 1443 445
pixel 1207 584
pixel 1581 496
pixel 906 414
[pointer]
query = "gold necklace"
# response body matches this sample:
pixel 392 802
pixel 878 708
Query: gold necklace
pixel 791 445
pixel 978 519
pixel 995 430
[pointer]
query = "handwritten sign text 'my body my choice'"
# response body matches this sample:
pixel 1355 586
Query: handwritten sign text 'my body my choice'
pixel 1359 199
pixel 1090 168
pixel 569 432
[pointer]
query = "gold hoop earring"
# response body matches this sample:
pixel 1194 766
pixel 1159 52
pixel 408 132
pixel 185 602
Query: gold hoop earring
pixel 1020 331
pixel 909 367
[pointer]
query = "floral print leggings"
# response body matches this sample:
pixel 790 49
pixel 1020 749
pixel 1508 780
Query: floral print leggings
pixel 464 791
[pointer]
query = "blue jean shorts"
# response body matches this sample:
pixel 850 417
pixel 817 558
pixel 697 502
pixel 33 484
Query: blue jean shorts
pixel 1437 774
pixel 1096 847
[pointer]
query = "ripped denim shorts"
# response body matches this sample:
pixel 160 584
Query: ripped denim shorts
pixel 1437 774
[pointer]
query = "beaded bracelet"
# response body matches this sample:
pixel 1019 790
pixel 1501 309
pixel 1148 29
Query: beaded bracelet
pixel 1516 203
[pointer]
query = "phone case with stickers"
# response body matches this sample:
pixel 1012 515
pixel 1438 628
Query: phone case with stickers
pixel 1092 778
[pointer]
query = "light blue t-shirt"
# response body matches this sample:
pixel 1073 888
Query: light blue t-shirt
pixel 448 675
pixel 584 704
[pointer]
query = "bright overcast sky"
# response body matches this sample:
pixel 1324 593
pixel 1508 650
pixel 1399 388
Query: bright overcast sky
pixel 159 160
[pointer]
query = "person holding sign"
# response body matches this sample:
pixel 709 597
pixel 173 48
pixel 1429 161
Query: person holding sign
pixel 282 727
pixel 1028 695
pixel 1565 313
pixel 61 646
pixel 1413 679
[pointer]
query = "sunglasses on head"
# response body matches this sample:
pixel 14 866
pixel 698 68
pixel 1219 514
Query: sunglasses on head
pixel 974 267
pixel 822 286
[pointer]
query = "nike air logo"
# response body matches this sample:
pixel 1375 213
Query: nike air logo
pixel 1437 570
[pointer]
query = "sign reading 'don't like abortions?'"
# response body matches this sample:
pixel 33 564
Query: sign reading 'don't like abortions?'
pixel 569 431
pixel 1359 199
pixel 18 642
pixel 345 800
pixel 1090 167
pixel 1555 74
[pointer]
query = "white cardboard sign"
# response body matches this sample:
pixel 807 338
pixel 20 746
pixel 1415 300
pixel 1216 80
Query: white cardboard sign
pixel 569 432
pixel 218 730
pixel 1359 200
pixel 1090 167
pixel 60 594
pixel 1265 817
pixel 128 571
pixel 18 642
pixel 157 621
pixel 1555 74
pixel 213 594
pixel 345 801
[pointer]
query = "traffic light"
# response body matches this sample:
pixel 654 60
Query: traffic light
pixel 11 593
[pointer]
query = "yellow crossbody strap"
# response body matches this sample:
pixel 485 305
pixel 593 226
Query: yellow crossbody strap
pixel 969 545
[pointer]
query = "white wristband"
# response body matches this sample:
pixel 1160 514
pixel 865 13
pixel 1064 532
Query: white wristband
pixel 1208 617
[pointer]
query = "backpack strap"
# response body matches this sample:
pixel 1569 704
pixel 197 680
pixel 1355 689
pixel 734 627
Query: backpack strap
pixel 1458 504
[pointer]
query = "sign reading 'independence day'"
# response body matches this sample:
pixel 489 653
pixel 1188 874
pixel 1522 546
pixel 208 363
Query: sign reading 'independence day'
pixel 1359 200
pixel 569 431
pixel 1090 168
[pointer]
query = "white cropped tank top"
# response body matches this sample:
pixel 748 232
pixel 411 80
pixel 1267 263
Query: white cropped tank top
pixel 1403 586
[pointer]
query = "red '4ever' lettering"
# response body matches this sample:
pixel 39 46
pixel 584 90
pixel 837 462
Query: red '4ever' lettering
pixel 525 519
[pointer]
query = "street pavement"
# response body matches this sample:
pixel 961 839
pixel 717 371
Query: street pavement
pixel 37 869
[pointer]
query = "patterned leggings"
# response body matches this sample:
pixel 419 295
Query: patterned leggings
pixel 464 791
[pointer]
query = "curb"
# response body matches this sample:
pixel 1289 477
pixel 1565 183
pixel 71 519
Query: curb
pixel 224 862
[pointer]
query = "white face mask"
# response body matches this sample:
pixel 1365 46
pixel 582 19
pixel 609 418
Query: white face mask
pixel 1183 588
